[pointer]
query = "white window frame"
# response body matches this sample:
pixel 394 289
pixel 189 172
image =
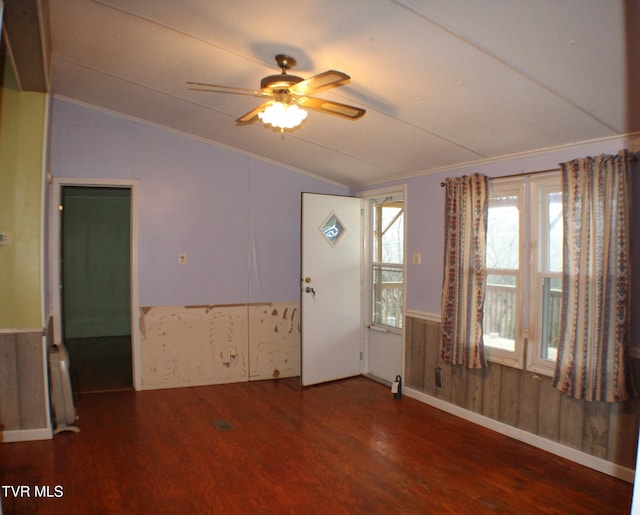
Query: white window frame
pixel 537 272
pixel 373 198
pixel 532 251
pixel 496 355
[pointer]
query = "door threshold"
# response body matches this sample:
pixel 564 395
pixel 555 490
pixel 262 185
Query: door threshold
pixel 378 379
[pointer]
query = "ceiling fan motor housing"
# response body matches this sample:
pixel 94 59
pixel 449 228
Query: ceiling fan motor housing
pixel 280 81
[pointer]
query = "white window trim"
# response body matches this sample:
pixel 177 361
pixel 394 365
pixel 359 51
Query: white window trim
pixel 528 329
pixel 535 361
pixel 399 266
pixel 369 196
pixel 495 355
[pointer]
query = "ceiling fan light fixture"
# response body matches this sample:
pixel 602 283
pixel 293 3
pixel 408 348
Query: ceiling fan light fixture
pixel 282 115
pixel 288 93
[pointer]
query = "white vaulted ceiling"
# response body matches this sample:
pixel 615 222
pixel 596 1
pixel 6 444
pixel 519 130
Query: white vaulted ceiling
pixel 444 82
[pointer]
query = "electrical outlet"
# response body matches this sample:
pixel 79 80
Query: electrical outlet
pixel 438 377
pixel 182 258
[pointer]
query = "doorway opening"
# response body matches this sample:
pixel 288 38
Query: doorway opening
pixel 96 291
pixel 384 269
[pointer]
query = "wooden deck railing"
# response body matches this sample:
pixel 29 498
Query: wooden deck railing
pixel 389 304
pixel 499 310
pixel 500 315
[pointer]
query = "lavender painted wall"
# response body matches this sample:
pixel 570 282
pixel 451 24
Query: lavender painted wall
pixel 237 218
pixel 425 212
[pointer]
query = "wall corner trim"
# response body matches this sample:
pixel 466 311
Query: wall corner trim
pixel 423 315
pixel 604 466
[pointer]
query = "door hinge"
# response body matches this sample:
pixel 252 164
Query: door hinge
pixel 361 356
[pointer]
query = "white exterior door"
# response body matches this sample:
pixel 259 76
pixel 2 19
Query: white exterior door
pixel 330 299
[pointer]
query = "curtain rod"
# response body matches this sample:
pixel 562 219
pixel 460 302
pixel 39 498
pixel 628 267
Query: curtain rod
pixel 442 184
pixel 632 157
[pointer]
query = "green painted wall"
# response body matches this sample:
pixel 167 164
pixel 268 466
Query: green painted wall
pixel 96 262
pixel 22 131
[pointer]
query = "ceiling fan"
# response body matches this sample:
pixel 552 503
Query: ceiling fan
pixel 287 95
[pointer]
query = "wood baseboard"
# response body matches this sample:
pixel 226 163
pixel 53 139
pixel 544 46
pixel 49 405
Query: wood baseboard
pixel 558 449
pixel 26 435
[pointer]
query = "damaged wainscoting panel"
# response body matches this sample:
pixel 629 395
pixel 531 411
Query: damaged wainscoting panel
pixel 274 340
pixel 193 345
pixel 204 345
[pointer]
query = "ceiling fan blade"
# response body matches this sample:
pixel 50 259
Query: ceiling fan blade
pixel 216 88
pixel 248 93
pixel 252 115
pixel 324 80
pixel 330 107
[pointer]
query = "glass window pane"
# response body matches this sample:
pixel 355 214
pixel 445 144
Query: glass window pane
pixel 500 304
pixel 387 296
pixel 555 230
pixel 387 258
pixel 392 236
pixel 503 232
pixel 503 262
pixel 501 279
pixel 333 229
pixel 551 304
pixel 388 240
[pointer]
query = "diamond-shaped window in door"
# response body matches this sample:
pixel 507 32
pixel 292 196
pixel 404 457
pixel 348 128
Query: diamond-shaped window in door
pixel 333 229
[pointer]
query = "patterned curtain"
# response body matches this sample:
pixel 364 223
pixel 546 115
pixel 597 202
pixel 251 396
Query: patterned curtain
pixel 592 359
pixel 466 211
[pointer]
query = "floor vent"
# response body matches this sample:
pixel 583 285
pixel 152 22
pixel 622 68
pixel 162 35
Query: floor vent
pixel 223 424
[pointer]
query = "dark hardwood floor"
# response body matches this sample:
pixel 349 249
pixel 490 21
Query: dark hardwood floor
pixel 341 447
pixel 100 364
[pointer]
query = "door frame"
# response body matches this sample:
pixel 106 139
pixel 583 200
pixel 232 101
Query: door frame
pixel 56 258
pixel 368 195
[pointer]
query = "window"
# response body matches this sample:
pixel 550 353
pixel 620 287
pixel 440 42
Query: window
pixel 545 273
pixel 503 324
pixel 387 269
pixel 524 271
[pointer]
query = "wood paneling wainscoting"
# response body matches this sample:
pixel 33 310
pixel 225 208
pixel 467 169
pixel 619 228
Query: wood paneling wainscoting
pixel 515 398
pixel 24 409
